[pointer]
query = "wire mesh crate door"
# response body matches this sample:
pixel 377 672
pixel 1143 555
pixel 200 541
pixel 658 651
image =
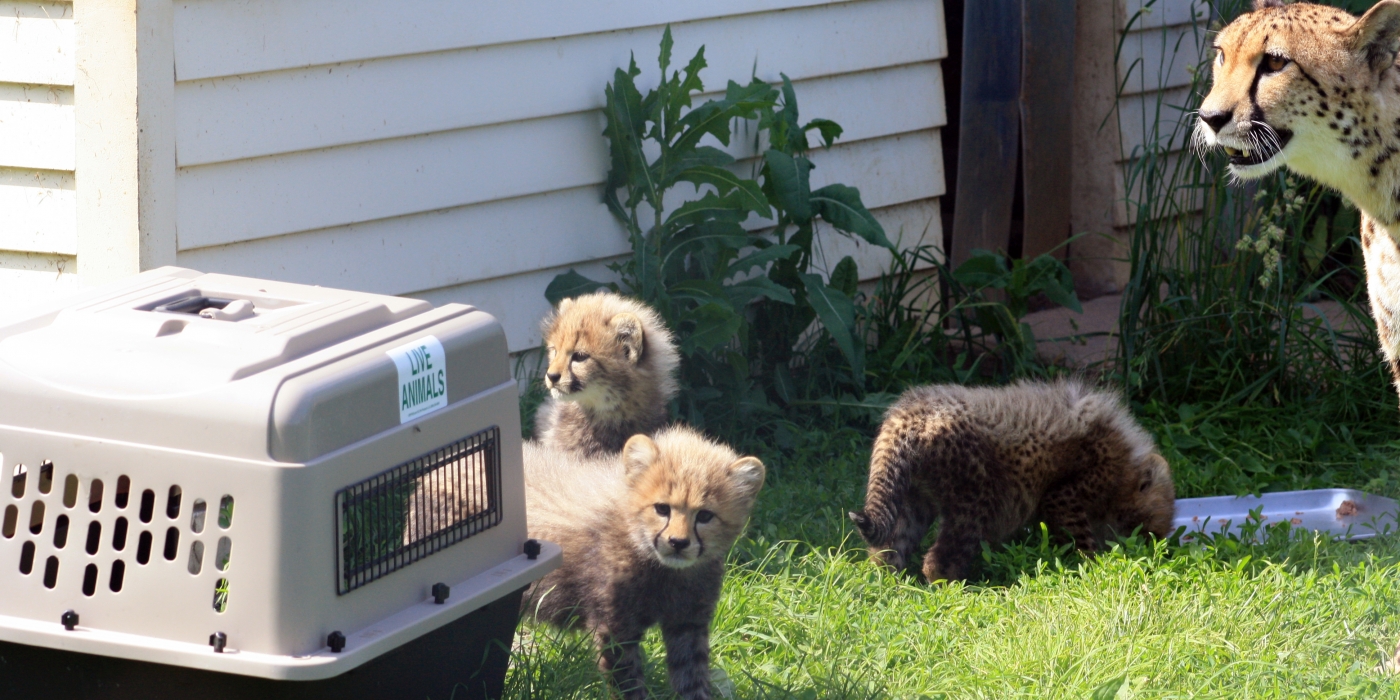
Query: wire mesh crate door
pixel 406 513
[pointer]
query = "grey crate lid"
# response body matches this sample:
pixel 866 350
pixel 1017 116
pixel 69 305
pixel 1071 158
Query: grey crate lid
pixel 270 369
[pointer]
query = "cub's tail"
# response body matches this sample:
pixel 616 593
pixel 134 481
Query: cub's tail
pixel 890 462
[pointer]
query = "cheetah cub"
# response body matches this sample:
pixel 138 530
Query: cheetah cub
pixel 645 534
pixel 612 366
pixel 989 461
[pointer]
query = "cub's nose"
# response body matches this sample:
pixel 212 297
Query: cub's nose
pixel 678 543
pixel 553 377
pixel 1215 120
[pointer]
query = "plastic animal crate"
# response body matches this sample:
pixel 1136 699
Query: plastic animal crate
pixel 215 472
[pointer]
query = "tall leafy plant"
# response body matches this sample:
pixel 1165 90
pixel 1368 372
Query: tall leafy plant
pixel 727 259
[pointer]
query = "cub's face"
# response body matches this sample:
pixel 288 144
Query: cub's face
pixel 1146 499
pixel 1294 85
pixel 590 355
pixel 691 501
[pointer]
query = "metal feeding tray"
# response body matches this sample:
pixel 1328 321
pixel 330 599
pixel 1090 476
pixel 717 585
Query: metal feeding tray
pixel 1346 513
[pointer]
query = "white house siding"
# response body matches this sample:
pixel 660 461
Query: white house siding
pixel 452 150
pixel 1160 49
pixel 38 232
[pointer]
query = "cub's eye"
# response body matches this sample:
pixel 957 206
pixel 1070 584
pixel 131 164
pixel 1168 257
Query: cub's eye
pixel 1274 63
pixel 704 516
pixel 663 510
pixel 579 357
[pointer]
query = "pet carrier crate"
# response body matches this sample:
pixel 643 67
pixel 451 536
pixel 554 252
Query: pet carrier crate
pixel 235 486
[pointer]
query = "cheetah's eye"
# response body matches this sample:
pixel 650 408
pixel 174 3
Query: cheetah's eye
pixel 663 510
pixel 704 516
pixel 1145 485
pixel 1274 63
pixel 579 357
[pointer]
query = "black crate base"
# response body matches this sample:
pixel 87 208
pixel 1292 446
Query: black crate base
pixel 465 660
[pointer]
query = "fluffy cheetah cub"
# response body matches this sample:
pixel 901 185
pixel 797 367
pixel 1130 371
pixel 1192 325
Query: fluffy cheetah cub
pixel 988 461
pixel 611 373
pixel 645 534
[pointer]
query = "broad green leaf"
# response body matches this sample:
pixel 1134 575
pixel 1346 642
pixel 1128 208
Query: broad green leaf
pixel 760 258
pixel 715 324
pixel 749 197
pixel 789 179
pixel 666 44
pixel 845 277
pixel 838 314
pixel 726 233
pixel 741 293
pixel 711 207
pixel 626 121
pixel 840 206
pixel 700 291
pixel 786 131
pixel 570 284
pixel 646 264
pixel 829 130
pixel 1051 277
pixel 713 117
pixel 983 269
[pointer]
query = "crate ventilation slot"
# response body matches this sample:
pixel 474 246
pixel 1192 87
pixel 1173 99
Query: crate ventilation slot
pixel 422 506
pixel 57 520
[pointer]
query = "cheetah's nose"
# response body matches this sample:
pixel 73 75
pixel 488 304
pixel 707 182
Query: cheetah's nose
pixel 553 377
pixel 678 543
pixel 1215 120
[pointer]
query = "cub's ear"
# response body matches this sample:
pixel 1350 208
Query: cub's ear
pixel 564 304
pixel 747 474
pixel 638 455
pixel 1266 4
pixel 628 329
pixel 1377 34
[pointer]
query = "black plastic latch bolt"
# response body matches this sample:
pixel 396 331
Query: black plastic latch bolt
pixel 336 641
pixel 218 640
pixel 69 620
pixel 440 593
pixel 532 549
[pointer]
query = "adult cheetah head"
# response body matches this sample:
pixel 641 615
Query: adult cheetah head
pixel 1292 81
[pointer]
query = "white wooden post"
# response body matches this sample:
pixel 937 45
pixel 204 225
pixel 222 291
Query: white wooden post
pixel 124 94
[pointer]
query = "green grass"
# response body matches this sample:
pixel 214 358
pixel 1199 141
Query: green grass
pixel 804 615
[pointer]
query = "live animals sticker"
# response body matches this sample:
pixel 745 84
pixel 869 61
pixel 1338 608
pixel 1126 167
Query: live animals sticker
pixel 422 377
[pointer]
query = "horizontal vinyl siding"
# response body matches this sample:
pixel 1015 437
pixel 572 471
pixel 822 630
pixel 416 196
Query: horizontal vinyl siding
pixel 38 203
pixel 1159 50
pixel 467 167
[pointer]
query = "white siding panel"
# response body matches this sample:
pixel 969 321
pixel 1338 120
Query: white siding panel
pixel 1160 58
pixel 1138 115
pixel 1161 13
pixel 36 43
pixel 219 38
pixel 28 280
pixel 245 117
pixel 433 249
pixel 40 211
pixel 36 135
pixel 251 199
pixel 518 301
pixel 493 240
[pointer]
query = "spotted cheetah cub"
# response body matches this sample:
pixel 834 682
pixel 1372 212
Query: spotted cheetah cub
pixel 611 374
pixel 645 534
pixel 989 461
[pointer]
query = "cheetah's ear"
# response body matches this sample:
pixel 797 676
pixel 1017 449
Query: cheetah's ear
pixel 629 334
pixel 564 304
pixel 638 455
pixel 747 474
pixel 1266 4
pixel 1377 34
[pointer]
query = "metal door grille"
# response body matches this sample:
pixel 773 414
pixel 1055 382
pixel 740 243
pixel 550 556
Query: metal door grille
pixel 404 514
